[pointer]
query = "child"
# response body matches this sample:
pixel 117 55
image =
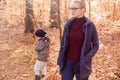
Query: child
pixel 42 49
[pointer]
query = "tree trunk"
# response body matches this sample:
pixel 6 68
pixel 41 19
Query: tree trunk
pixel 4 1
pixel 66 11
pixel 41 13
pixel 29 25
pixel 54 14
pixel 114 10
pixel 89 9
pixel 59 20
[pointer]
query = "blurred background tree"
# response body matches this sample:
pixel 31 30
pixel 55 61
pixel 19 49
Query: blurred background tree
pixel 29 25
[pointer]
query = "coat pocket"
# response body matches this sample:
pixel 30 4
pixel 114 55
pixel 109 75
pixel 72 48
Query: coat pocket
pixel 88 62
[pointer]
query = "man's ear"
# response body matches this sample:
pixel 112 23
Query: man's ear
pixel 84 10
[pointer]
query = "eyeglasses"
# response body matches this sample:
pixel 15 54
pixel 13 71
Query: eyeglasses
pixel 74 8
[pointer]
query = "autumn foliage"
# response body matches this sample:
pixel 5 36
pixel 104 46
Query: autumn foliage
pixel 17 55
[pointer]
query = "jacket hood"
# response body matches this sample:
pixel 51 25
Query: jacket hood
pixel 88 21
pixel 71 20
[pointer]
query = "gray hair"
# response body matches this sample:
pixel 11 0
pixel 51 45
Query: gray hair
pixel 81 2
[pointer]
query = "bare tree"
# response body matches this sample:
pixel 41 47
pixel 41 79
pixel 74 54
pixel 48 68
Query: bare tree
pixel 114 10
pixel 89 9
pixel 54 14
pixel 66 11
pixel 40 13
pixel 59 20
pixel 29 25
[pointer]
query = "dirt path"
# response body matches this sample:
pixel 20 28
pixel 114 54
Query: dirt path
pixel 17 55
pixel 11 66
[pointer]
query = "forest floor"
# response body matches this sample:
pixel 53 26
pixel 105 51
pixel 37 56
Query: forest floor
pixel 17 55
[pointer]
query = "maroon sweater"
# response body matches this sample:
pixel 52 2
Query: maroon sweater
pixel 76 38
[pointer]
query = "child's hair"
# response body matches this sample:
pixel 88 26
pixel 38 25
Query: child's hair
pixel 40 33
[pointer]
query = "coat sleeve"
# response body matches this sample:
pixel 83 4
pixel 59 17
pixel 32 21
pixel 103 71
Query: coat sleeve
pixel 95 42
pixel 40 46
pixel 62 44
pixel 61 47
pixel 47 41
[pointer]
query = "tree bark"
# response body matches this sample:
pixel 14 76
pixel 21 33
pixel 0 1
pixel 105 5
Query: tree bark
pixel 66 11
pixel 89 9
pixel 59 21
pixel 29 25
pixel 54 14
pixel 4 1
pixel 114 10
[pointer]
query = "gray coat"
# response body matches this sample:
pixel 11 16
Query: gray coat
pixel 42 49
pixel 89 47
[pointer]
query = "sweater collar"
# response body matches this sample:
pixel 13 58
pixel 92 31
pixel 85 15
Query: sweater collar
pixel 79 19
